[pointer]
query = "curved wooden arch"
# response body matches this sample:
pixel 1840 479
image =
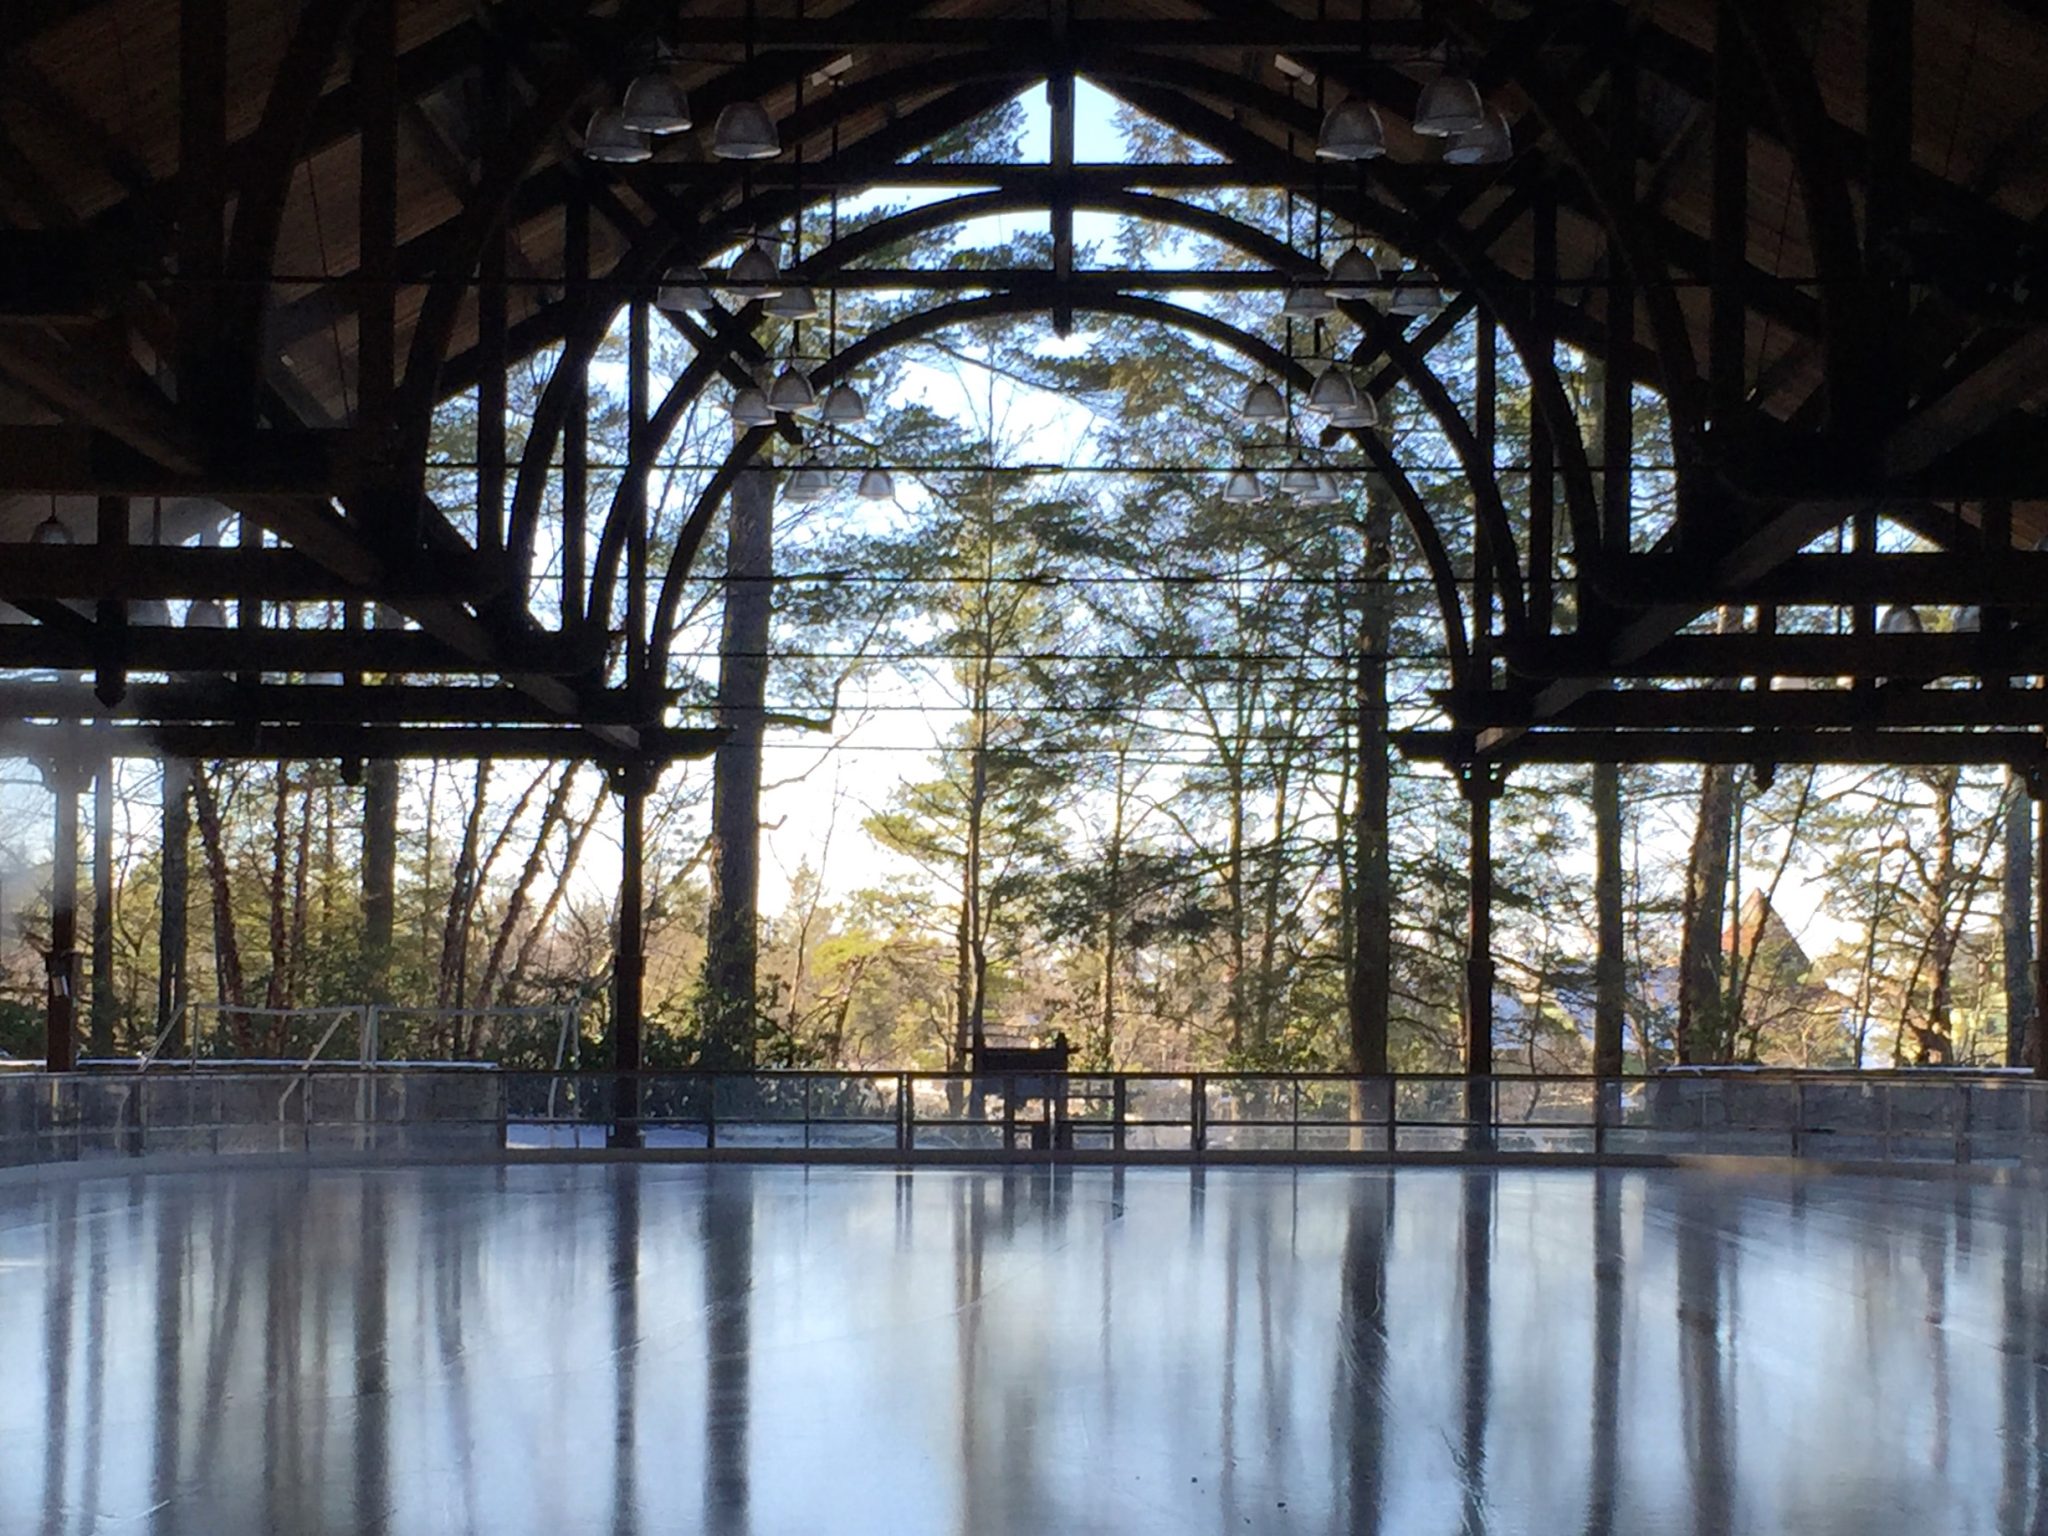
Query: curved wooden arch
pixel 1824 189
pixel 1006 305
pixel 1488 501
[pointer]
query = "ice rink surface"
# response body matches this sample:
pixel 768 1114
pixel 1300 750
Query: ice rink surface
pixel 639 1349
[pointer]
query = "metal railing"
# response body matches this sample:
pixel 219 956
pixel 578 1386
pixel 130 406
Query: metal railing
pixel 476 1109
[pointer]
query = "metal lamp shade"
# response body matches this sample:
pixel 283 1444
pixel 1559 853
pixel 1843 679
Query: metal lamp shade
pixel 750 408
pixel 843 407
pixel 1352 131
pixel 1366 413
pixel 1491 143
pixel 1304 302
pixel 745 131
pixel 796 302
pixel 50 531
pixel 205 614
pixel 654 103
pixel 684 289
pixel 1262 402
pixel 608 140
pixel 755 272
pixel 1415 294
pixel 806 485
pixel 1298 480
pixel 876 484
pixel 1241 487
pixel 1320 491
pixel 792 391
pixel 1353 275
pixel 1448 104
pixel 1332 392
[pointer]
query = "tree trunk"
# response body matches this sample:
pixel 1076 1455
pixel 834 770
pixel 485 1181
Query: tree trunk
pixel 1371 980
pixel 227 948
pixel 732 943
pixel 103 1002
pixel 1702 1032
pixel 174 921
pixel 461 893
pixel 2017 918
pixel 551 816
pixel 1610 992
pixel 1932 1043
pixel 380 875
pixel 279 920
pixel 544 920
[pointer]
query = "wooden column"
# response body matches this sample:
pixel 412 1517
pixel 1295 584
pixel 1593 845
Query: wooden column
pixel 102 1016
pixel 630 784
pixel 1481 785
pixel 1371 875
pixel 174 927
pixel 60 1043
pixel 576 418
pixel 2037 1030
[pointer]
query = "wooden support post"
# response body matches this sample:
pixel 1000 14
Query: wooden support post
pixel 1059 89
pixel 1371 874
pixel 576 420
pixel 202 199
pixel 101 1022
pixel 60 1042
pixel 638 452
pixel 110 615
pixel 2037 1030
pixel 1482 784
pixel 491 353
pixel 174 925
pixel 376 82
pixel 1727 257
pixel 1542 476
pixel 630 784
pixel 1486 391
pixel 1888 135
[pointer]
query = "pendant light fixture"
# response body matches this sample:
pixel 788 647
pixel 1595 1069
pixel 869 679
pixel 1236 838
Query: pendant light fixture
pixel 807 484
pixel 609 141
pixel 750 407
pixel 1366 413
pixel 793 391
pixel 655 103
pixel 1298 480
pixel 745 131
pixel 1262 402
pixel 1901 621
pixel 1242 487
pixel 1448 104
pixel 205 613
pixel 1306 301
pixel 876 484
pixel 754 273
pixel 1322 489
pixel 796 302
pixel 1332 392
pixel 1352 131
pixel 1491 143
pixel 1416 293
pixel 684 289
pixel 1353 275
pixel 50 531
pixel 843 407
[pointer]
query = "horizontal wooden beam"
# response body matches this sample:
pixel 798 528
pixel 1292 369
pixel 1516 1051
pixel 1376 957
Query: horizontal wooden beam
pixel 140 572
pixel 2011 578
pixel 76 460
pixel 225 700
pixel 1831 708
pixel 151 648
pixel 360 742
pixel 1775 655
pixel 1770 747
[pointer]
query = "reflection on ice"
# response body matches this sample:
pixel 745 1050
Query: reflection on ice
pixel 641 1349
